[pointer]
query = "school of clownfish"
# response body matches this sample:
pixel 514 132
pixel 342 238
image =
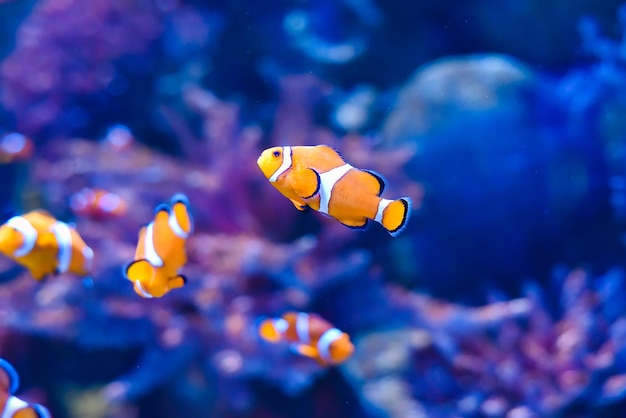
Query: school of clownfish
pixel 311 177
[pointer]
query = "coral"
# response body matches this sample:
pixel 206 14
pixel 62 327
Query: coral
pixel 524 357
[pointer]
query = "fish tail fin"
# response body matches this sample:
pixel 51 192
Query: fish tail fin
pixel 395 215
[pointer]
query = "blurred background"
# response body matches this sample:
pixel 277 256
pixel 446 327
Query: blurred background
pixel 504 121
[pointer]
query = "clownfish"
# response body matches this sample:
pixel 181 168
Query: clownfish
pixel 10 405
pixel 161 250
pixel 310 335
pixel 317 177
pixel 15 147
pixel 98 204
pixel 45 245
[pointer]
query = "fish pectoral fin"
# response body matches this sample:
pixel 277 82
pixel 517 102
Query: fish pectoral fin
pixel 305 350
pixel 177 282
pixel 139 270
pixel 306 183
pixel 300 206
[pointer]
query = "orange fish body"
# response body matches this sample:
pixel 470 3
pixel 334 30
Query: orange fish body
pixel 44 245
pixel 310 335
pixel 319 178
pixel 98 204
pixel 11 406
pixel 15 147
pixel 160 252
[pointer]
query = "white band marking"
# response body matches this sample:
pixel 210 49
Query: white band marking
pixel 142 290
pixel 327 338
pixel 175 226
pixel 327 182
pixel 88 255
pixel 151 254
pixel 28 232
pixel 13 405
pixel 281 325
pixel 63 235
pixel 284 166
pixel 302 327
pixel 381 208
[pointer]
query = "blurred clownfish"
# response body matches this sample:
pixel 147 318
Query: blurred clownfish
pixel 45 245
pixel 119 137
pixel 98 204
pixel 11 406
pixel 161 250
pixel 310 335
pixel 15 147
pixel 319 178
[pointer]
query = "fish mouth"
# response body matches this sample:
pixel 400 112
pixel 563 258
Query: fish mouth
pixel 261 162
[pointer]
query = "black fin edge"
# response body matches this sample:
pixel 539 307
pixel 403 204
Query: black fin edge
pixel 358 228
pixel 161 207
pixel 127 266
pixel 42 411
pixel 180 198
pixel 406 201
pixel 14 379
pixel 381 180
pixel 319 183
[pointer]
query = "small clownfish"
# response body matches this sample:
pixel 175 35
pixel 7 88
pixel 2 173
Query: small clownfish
pixel 161 250
pixel 98 204
pixel 310 335
pixel 319 178
pixel 15 147
pixel 45 245
pixel 10 405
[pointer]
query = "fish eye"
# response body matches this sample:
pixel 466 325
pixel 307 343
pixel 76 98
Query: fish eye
pixel 276 153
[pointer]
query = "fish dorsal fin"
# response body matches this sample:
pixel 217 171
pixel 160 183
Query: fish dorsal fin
pixel 44 213
pixel 306 182
pixel 139 270
pixel 332 150
pixel 372 181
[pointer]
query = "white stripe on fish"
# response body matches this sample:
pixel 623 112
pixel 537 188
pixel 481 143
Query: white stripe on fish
pixel 28 232
pixel 327 183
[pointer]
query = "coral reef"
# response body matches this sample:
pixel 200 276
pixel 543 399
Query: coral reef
pixel 511 170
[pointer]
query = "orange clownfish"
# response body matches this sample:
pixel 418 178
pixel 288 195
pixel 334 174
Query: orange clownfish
pixel 319 178
pixel 45 245
pixel 10 405
pixel 98 204
pixel 161 250
pixel 15 147
pixel 310 335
